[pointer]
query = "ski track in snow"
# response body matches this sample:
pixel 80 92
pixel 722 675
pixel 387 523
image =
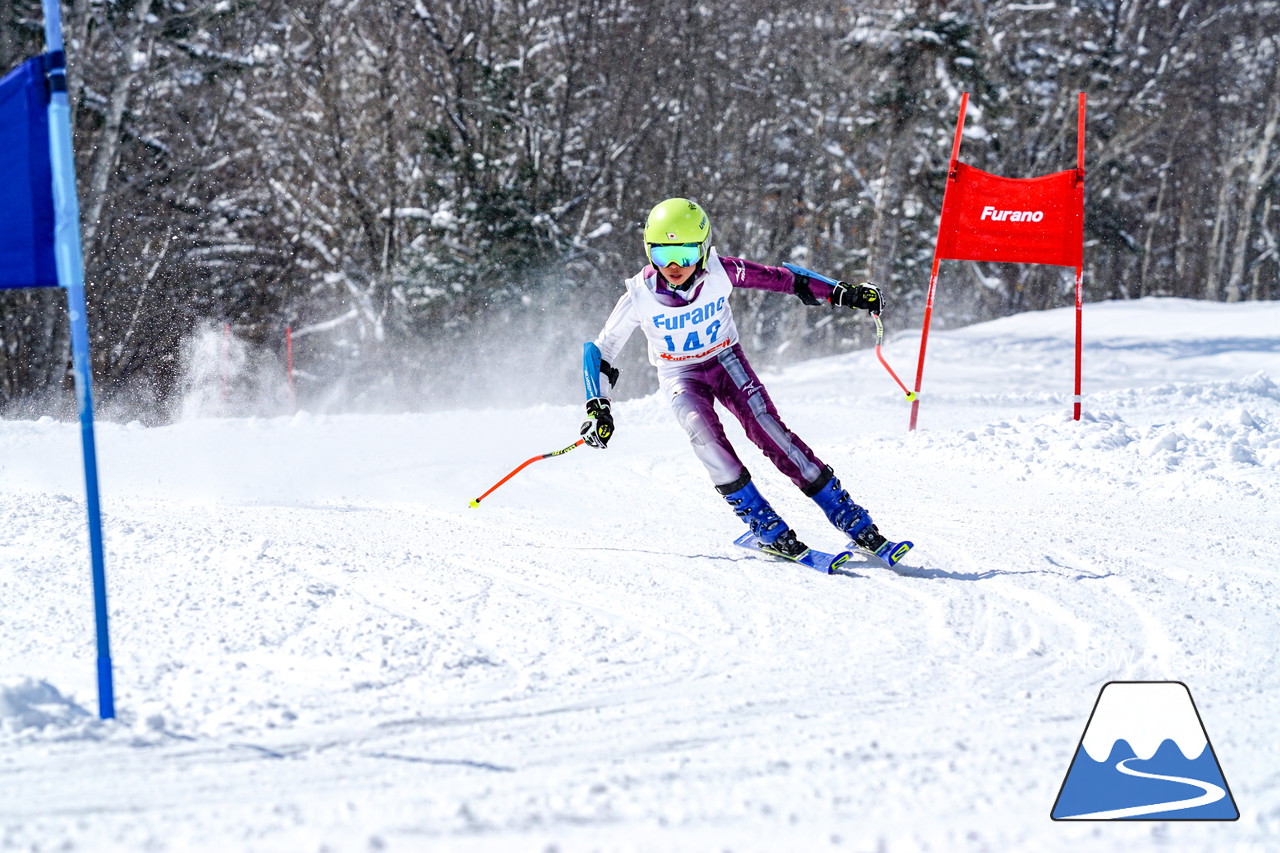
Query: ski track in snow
pixel 319 646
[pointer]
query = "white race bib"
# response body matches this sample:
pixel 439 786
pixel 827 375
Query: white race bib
pixel 692 332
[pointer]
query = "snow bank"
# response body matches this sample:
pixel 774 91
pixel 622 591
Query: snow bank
pixel 28 703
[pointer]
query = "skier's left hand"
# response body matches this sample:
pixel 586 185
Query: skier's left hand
pixel 865 296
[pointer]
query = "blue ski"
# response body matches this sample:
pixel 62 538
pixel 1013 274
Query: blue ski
pixel 820 560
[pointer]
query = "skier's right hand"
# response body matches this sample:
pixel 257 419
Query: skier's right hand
pixel 597 429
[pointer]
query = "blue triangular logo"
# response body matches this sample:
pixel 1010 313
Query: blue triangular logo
pixel 1145 755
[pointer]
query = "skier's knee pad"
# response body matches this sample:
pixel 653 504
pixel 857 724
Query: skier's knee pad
pixel 694 421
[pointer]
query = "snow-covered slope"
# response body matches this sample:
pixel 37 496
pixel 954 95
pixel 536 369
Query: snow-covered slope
pixel 318 645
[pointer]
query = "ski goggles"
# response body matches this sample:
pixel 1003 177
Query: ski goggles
pixel 682 255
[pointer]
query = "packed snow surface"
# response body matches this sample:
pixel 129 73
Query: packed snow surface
pixel 319 646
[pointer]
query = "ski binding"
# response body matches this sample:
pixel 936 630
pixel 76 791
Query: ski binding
pixel 890 553
pixel 814 559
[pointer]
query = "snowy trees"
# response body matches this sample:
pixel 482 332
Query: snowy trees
pixel 412 181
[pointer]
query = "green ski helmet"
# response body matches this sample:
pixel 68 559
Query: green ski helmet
pixel 677 231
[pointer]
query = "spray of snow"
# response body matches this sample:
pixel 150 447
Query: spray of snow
pixel 223 376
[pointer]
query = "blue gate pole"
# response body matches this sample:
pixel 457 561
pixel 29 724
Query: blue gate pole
pixel 70 264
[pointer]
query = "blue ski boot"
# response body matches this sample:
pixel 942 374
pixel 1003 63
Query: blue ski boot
pixel 749 505
pixel 846 515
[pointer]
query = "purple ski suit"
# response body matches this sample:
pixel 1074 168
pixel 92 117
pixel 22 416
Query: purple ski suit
pixel 693 342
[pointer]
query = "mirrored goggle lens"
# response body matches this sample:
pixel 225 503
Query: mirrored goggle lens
pixel 684 256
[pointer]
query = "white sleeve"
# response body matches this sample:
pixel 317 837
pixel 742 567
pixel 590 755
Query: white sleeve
pixel 618 328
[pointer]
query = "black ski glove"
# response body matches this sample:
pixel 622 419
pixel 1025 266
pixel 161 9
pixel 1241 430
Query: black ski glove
pixel 865 296
pixel 597 429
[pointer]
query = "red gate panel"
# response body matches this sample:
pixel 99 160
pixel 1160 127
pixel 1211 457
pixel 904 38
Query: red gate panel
pixel 987 217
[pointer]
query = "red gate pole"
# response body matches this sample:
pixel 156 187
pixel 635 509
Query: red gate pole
pixel 933 275
pixel 1079 267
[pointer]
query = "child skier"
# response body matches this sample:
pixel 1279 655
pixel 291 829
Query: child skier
pixel 681 301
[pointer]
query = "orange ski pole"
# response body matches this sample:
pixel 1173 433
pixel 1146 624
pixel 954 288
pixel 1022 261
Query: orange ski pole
pixel 911 395
pixel 522 466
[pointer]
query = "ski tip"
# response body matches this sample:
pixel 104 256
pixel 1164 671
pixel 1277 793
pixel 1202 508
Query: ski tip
pixel 897 552
pixel 839 560
pixel 474 504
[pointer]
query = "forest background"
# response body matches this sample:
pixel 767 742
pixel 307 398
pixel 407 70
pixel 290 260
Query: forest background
pixel 435 195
